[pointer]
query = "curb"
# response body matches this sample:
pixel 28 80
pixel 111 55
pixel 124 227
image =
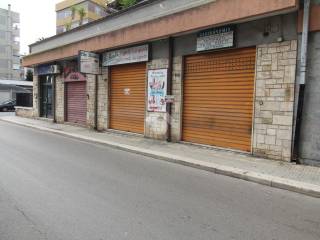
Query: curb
pixel 264 179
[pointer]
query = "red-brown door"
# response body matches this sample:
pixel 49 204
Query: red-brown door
pixel 76 102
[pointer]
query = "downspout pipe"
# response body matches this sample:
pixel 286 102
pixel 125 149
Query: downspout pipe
pixel 96 103
pixel 54 98
pixel 304 42
pixel 302 83
pixel 169 85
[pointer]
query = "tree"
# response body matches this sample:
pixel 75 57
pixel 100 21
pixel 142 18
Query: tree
pixel 82 13
pixel 29 75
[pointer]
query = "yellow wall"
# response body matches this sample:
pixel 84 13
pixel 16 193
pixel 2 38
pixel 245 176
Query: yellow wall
pixel 89 15
pixel 68 3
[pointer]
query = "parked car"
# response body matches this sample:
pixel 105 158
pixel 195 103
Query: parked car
pixel 7 105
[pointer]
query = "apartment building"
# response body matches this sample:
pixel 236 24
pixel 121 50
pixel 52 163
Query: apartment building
pixel 68 16
pixel 9 44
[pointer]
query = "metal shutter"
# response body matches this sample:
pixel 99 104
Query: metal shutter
pixel 76 102
pixel 218 98
pixel 127 97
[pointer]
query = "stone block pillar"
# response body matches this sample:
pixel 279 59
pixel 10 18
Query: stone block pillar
pixel 36 96
pixel 177 105
pixel 90 100
pixel 103 100
pixel 274 97
pixel 59 108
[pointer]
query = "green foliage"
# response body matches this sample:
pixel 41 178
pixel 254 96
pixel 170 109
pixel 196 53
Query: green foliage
pixel 68 26
pixel 119 5
pixel 127 3
pixel 82 13
pixel 29 76
pixel 73 11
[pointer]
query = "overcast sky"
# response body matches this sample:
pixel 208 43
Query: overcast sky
pixel 37 19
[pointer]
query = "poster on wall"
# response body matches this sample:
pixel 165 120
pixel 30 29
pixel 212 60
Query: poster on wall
pixel 216 38
pixel 157 90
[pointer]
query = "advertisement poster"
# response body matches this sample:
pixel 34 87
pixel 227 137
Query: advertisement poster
pixel 157 90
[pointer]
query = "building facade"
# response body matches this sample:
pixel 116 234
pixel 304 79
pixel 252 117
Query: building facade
pixel 68 16
pixel 176 72
pixel 9 44
pixel 9 89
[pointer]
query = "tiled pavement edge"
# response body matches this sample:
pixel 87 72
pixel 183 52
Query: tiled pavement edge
pixel 288 176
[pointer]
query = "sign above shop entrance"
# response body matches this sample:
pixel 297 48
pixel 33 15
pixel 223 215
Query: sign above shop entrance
pixel 47 70
pixel 75 77
pixel 126 55
pixel 216 38
pixel 89 62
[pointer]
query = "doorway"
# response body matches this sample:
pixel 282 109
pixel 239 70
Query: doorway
pixel 46 96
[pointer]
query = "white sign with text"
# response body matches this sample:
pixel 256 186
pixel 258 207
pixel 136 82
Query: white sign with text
pixel 126 55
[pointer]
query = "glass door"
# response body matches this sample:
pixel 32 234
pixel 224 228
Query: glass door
pixel 46 96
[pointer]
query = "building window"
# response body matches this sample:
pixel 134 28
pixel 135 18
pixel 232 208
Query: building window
pixel 3 20
pixel 4 63
pixel 16 26
pixel 2 35
pixel 63 14
pixel 16 53
pixel 3 50
pixel 67 13
pixel 100 11
pixel 16 66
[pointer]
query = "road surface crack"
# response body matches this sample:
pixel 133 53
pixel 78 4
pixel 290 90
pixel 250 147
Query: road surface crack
pixel 28 219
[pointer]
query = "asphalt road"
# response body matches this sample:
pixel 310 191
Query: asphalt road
pixel 53 187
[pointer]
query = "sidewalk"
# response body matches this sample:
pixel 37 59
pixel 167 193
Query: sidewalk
pixel 297 178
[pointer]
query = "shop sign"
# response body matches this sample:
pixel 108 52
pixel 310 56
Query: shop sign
pixel 69 67
pixel 47 70
pixel 89 62
pixel 216 38
pixel 157 90
pixel 75 77
pixel 127 55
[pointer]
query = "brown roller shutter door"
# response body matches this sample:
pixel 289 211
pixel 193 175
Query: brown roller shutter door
pixel 218 98
pixel 127 97
pixel 76 102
